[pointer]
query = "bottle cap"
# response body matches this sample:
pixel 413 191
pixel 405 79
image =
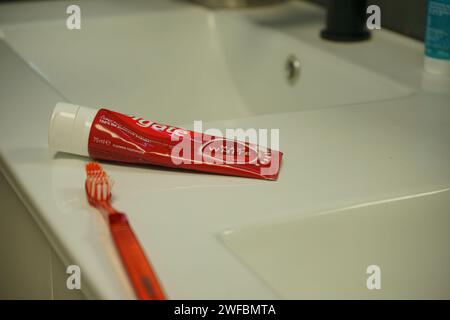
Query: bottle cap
pixel 69 128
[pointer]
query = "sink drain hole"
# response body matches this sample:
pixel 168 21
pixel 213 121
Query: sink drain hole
pixel 292 69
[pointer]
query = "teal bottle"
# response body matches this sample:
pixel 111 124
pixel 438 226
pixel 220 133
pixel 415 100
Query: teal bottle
pixel 437 37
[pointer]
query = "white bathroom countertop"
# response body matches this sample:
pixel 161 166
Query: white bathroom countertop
pixel 334 157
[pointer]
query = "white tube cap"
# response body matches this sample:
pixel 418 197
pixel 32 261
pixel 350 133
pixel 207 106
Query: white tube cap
pixel 69 128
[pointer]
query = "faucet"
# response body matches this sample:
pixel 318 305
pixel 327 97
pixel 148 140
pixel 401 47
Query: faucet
pixel 346 21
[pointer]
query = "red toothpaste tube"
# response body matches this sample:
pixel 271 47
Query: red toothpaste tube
pixel 108 135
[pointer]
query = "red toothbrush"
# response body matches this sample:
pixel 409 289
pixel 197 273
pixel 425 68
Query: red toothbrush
pixel 98 189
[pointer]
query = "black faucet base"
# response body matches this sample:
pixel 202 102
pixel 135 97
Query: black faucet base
pixel 344 37
pixel 346 21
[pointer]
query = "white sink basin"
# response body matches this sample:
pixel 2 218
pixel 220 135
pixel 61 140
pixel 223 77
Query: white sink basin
pixel 327 256
pixel 178 66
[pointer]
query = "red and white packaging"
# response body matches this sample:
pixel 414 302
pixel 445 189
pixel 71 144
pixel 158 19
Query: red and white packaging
pixel 107 135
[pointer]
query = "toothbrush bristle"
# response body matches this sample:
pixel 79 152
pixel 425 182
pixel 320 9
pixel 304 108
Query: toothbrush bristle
pixel 98 184
pixel 94 169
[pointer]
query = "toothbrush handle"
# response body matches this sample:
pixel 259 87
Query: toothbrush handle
pixel 144 280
